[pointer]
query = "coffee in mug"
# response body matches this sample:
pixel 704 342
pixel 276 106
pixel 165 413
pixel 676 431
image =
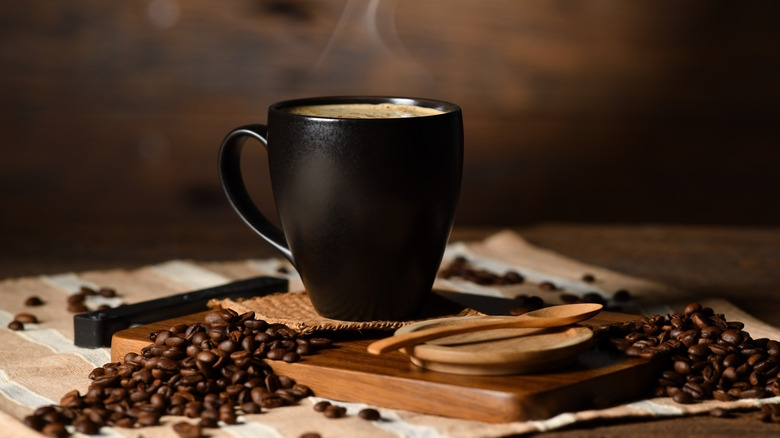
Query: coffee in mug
pixel 365 189
pixel 364 110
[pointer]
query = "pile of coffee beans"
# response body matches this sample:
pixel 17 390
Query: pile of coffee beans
pixel 210 371
pixel 708 356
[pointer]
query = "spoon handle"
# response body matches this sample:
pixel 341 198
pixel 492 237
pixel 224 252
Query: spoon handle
pixel 555 316
pixel 418 337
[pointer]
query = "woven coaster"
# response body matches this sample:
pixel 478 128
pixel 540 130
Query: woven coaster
pixel 295 310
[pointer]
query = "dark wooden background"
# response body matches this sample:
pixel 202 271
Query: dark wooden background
pixel 575 111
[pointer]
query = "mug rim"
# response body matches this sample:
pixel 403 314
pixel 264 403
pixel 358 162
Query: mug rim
pixel 441 105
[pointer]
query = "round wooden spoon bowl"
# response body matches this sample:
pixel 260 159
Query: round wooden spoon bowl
pixel 499 351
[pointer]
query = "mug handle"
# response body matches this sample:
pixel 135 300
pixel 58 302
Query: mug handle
pixel 233 184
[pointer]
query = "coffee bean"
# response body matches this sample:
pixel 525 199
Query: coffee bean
pixel 755 392
pixel 732 337
pixel 720 413
pixel 593 297
pixel 33 301
pixel 228 315
pixel 55 430
pixel 209 418
pixel 34 422
pixel 321 406
pixel 569 298
pixel 76 298
pixel 87 427
pixel 722 395
pixel 527 304
pixel 228 417
pixel 187 430
pixel 621 296
pixel 291 356
pixel 718 350
pixel 369 414
pixel 548 286
pixel 77 308
pixel 15 325
pixel 334 411
pixel 310 435
pixel 698 350
pixel 276 354
pixel 692 308
pixel 682 397
pixel 107 292
pixel 588 278
pixel 682 367
pixel 251 408
pixel 512 277
pixel 699 320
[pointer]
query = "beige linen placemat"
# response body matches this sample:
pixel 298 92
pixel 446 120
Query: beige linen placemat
pixel 40 364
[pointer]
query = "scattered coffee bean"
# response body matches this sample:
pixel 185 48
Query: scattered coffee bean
pixel 513 277
pixel 320 342
pixel 210 372
pixel 26 318
pixel 76 298
pixel 15 325
pixel 569 298
pixel 526 304
pixel 321 406
pixel 621 296
pixel 107 292
pixel 593 297
pixel 720 413
pixel 460 267
pixel 369 414
pixel 334 411
pixel 187 430
pixel 33 301
pixel 87 291
pixel 310 435
pixel 77 308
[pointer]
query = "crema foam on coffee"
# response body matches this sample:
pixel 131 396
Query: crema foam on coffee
pixel 364 111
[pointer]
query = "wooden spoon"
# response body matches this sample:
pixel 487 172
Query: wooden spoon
pixel 555 316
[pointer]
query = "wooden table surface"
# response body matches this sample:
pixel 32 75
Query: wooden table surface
pixel 739 264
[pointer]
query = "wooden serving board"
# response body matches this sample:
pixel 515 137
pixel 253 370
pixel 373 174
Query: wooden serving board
pixel 349 373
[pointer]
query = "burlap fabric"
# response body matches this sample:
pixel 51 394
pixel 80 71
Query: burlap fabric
pixel 40 364
pixel 295 310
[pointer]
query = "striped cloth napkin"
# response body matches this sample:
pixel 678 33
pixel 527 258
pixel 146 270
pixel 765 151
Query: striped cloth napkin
pixel 39 364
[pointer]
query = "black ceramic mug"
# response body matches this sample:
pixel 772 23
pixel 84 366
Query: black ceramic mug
pixel 365 189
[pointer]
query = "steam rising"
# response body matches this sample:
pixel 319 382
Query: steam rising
pixel 365 46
